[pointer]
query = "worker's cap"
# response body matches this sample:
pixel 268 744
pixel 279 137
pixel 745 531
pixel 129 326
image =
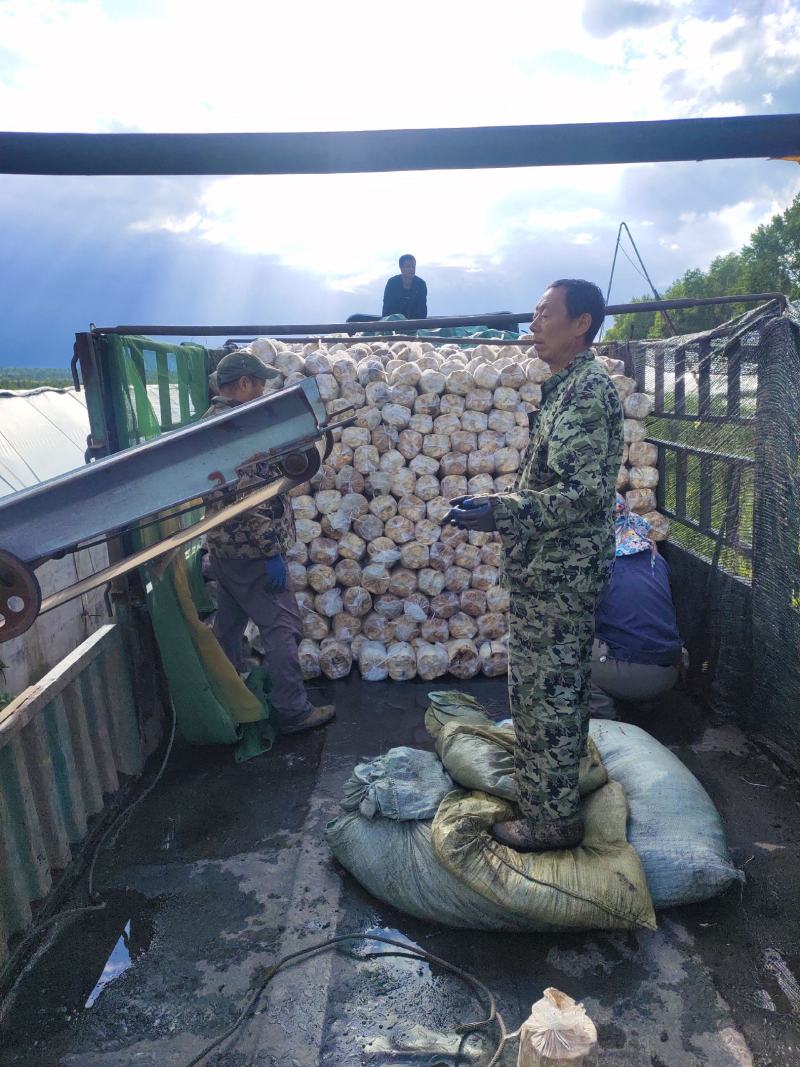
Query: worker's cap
pixel 235 364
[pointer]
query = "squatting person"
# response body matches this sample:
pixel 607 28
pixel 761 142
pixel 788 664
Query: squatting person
pixel 557 531
pixel 247 560
pixel 637 652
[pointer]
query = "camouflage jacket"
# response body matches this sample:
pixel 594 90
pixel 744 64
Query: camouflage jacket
pixel 268 530
pixel 557 524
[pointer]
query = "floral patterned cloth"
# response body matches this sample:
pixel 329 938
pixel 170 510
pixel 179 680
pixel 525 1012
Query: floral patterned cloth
pixel 632 532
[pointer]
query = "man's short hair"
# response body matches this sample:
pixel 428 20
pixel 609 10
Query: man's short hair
pixel 583 298
pixel 406 258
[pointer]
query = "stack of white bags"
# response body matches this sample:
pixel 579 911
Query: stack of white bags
pixel 379 581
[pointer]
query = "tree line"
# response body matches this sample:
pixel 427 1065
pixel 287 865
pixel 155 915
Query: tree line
pixel 769 262
pixel 34 377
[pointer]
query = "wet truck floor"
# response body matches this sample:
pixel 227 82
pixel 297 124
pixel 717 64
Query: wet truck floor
pixel 222 870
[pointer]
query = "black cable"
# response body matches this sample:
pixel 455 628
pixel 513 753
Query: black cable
pixel 641 273
pixel 117 825
pixel 117 531
pixel 137 527
pixel 98 903
pixel 408 950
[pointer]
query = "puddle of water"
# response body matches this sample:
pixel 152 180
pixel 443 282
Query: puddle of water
pixel 116 964
pixel 85 957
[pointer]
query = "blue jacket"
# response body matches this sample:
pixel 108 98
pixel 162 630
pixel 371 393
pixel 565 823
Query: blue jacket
pixel 636 616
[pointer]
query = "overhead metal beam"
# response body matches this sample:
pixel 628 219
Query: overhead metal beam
pixel 379 327
pixel 469 148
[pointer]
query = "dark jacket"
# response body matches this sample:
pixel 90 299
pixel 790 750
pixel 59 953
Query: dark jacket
pixel 636 616
pixel 413 302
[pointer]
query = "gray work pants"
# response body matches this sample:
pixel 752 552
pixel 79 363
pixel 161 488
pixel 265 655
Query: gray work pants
pixel 243 593
pixel 616 678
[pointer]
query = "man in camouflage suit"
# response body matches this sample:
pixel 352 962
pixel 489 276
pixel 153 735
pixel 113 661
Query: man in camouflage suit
pixel 558 534
pixel 247 560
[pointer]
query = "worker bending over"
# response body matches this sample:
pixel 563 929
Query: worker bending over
pixel 557 531
pixel 247 560
pixel 637 649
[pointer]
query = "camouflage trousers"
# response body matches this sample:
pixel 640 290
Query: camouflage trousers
pixel 549 683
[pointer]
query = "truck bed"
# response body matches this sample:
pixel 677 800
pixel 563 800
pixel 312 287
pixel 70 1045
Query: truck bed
pixel 222 870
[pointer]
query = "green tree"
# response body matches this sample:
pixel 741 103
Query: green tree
pixel 770 262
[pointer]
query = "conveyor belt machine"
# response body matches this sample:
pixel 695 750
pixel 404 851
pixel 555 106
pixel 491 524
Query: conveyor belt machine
pixel 289 430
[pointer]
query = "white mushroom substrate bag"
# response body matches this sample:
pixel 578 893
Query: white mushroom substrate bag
pixel 432 422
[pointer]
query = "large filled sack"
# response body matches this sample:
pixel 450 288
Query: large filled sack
pixel 482 757
pixel 672 822
pixel 600 885
pixel 653 837
pixel 395 862
pixel 451 871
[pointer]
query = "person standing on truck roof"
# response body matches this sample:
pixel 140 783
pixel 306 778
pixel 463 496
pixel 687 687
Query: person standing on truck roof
pixel 247 560
pixel 637 652
pixel 557 531
pixel 405 293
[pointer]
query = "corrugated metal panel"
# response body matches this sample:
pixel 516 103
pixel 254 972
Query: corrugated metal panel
pixel 64 742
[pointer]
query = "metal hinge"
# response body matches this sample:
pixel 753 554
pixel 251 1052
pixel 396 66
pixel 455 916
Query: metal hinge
pixel 96 448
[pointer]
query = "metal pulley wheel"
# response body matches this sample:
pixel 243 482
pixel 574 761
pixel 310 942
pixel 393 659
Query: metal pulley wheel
pixel 20 596
pixel 300 466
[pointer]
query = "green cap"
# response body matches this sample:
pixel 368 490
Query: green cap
pixel 235 364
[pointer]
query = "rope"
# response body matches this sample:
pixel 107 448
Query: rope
pixel 411 952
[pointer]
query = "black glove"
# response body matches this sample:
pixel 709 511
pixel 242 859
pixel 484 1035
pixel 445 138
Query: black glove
pixel 471 513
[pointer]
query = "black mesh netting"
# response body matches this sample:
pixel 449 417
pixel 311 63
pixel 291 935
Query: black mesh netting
pixel 726 421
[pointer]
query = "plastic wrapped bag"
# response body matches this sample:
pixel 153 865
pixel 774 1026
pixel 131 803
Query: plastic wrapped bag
pixel 404 784
pixel 558 1030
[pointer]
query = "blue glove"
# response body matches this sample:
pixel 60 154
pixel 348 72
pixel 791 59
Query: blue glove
pixel 277 573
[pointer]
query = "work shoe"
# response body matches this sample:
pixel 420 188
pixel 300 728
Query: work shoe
pixel 313 718
pixel 524 836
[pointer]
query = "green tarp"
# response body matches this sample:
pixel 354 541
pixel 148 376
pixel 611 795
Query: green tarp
pixel 212 703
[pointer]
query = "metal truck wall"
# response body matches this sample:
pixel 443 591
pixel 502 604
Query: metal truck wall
pixel 727 424
pixel 65 743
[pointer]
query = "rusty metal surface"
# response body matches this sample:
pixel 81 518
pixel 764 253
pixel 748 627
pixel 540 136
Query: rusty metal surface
pixel 20 596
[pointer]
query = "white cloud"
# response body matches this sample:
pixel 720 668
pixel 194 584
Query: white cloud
pixel 352 228
pixel 176 65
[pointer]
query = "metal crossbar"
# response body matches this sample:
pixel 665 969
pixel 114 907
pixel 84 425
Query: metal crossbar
pixel 706 477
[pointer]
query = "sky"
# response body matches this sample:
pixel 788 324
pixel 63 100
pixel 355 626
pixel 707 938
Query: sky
pixel 228 250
